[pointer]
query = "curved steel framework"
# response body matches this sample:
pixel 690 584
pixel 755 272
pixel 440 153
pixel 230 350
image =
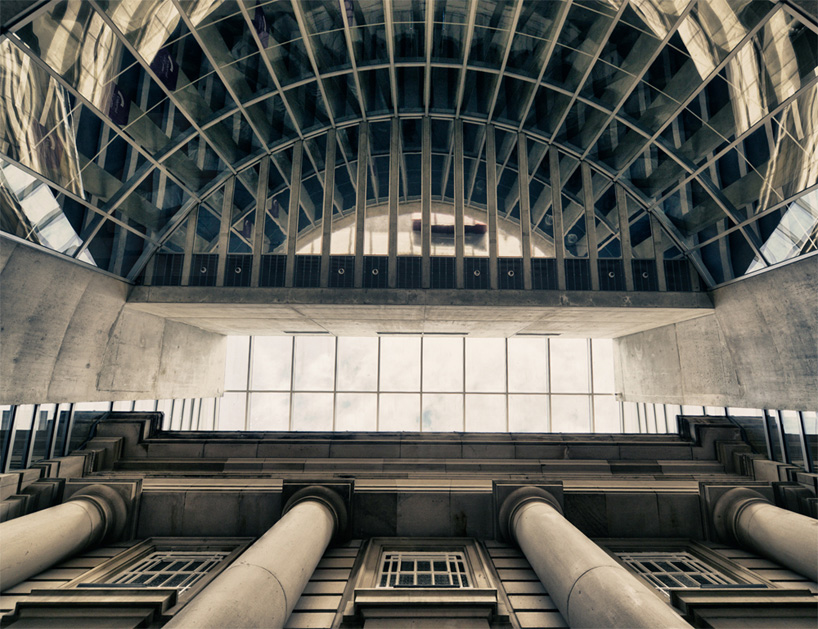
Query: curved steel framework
pixel 645 129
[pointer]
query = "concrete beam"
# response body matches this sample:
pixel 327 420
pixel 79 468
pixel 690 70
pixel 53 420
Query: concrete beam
pixel 759 348
pixel 68 335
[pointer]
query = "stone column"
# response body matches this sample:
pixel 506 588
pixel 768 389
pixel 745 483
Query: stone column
pixel 745 517
pixel 34 542
pixel 263 585
pixel 588 586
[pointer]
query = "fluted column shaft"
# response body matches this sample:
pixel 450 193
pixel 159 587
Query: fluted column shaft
pixel 263 585
pixel 35 542
pixel 588 586
pixel 746 517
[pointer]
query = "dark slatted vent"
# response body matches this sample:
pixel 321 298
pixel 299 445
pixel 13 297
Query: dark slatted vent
pixel 443 273
pixel 510 273
pixel 376 271
pixel 644 275
pixel 203 269
pixel 342 271
pixel 167 269
pixel 577 274
pixel 544 274
pixel 611 274
pixel 238 269
pixel 307 271
pixel 409 272
pixel 677 275
pixel 272 270
pixel 477 272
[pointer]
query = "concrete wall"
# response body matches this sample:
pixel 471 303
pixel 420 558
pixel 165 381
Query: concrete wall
pixel 758 350
pixel 66 335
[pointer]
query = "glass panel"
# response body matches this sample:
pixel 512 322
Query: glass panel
pixel 527 365
pixel 527 413
pixel 357 364
pixel 272 362
pixel 314 368
pixel 485 413
pixel 312 411
pixel 606 414
pixel 400 363
pixel 569 374
pixel 570 413
pixel 356 411
pixel 442 364
pixel 791 423
pixel 442 412
pixel 237 363
pixel 232 409
pixel 269 411
pixel 603 365
pixel 399 412
pixel 485 365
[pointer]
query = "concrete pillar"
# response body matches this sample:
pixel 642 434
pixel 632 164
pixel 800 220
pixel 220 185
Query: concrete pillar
pixel 745 517
pixel 588 586
pixel 35 542
pixel 263 585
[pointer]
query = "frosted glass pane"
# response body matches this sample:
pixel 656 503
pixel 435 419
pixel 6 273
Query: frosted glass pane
pixel 312 411
pixel 356 411
pixel 357 364
pixel 314 363
pixel 399 412
pixel 527 413
pixel 486 365
pixel 236 363
pixel 231 411
pixel 570 413
pixel 606 414
pixel 269 411
pixel 569 366
pixel 603 366
pixel 630 416
pixel 400 364
pixel 442 412
pixel 272 363
pixel 527 365
pixel 485 413
pixel 207 418
pixel 443 364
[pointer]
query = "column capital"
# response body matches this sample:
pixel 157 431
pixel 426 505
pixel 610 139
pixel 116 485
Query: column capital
pixel 325 496
pixel 517 499
pixel 728 509
pixel 112 509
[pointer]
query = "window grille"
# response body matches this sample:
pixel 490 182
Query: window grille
pixel 169 569
pixel 423 570
pixel 666 570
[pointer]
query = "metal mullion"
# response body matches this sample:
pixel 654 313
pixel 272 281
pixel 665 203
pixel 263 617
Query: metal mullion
pixel 518 9
pixel 360 202
pixel 224 230
pixel 625 235
pixel 713 74
pixel 559 22
pixel 8 440
pixel 426 202
pixel 658 252
pixel 69 428
pixel 29 448
pixel 378 390
pixel 327 206
pixel 292 383
pixel 461 87
pixel 427 79
pixel 302 25
pixel 193 29
pixel 459 233
pixel 390 50
pixel 353 63
pixel 394 192
pixel 250 351
pixel 491 203
pixel 293 212
pixel 638 77
pixel 52 438
pixel 606 36
pixel 556 210
pixel 808 464
pixel 149 71
pixel 785 458
pixel 335 384
pixel 261 219
pixel 420 403
pixel 525 208
pixel 590 224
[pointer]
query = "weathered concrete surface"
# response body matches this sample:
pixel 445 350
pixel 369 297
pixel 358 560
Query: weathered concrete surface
pixel 67 335
pixel 759 349
pixel 365 312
